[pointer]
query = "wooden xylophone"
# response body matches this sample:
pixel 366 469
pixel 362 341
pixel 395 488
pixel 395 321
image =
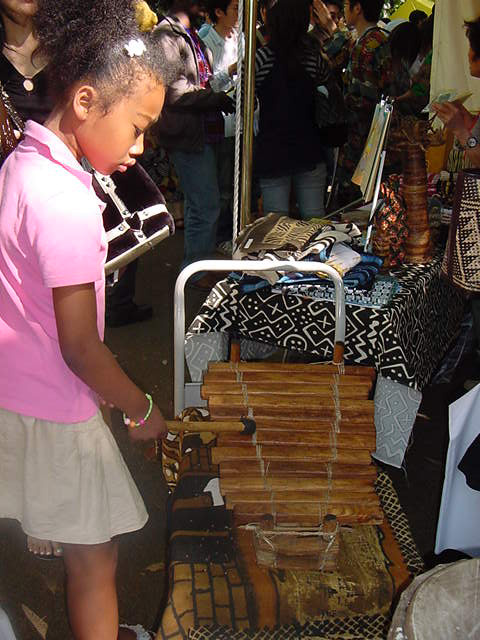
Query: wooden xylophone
pixel 307 465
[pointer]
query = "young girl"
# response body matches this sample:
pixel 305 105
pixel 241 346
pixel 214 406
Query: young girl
pixel 61 474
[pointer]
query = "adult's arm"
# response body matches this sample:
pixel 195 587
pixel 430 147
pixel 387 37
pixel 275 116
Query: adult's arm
pixel 222 78
pixel 183 94
pixel 462 124
pixel 417 97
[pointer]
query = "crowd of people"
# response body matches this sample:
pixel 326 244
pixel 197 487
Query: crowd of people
pixel 320 69
pixel 89 84
pixel 314 62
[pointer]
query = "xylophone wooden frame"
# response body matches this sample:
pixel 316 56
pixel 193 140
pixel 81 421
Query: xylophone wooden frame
pixel 244 266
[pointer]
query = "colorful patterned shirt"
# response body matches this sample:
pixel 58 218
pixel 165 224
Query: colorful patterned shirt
pixel 368 76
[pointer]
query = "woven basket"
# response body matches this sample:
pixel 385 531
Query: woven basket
pixel 461 262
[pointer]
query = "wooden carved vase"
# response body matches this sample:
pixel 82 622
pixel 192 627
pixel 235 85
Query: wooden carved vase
pixel 418 247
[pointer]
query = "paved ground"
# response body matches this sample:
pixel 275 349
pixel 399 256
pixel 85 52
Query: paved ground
pixel 30 587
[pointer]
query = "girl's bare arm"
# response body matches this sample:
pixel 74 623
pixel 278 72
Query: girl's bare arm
pixel 88 357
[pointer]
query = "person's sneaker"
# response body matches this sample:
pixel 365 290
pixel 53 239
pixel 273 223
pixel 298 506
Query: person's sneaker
pixel 470 384
pixel 128 315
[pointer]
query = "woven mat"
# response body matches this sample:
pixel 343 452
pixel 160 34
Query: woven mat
pixel 218 591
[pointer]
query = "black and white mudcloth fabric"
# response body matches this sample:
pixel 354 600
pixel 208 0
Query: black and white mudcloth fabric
pixel 405 341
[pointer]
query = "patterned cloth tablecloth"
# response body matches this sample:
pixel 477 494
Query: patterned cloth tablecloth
pixel 405 340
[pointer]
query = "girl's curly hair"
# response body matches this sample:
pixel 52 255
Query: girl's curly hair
pixel 85 40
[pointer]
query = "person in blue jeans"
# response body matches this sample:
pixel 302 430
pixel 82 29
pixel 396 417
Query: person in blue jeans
pixel 289 151
pixel 192 126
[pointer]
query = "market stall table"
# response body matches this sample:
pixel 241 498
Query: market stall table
pixel 405 340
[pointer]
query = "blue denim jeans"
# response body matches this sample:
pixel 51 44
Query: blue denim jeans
pixel 225 155
pixel 197 173
pixel 309 189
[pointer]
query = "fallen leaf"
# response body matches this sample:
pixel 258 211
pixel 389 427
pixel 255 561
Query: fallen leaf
pixel 40 625
pixel 156 566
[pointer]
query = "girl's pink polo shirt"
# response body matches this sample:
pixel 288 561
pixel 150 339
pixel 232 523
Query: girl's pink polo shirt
pixel 51 235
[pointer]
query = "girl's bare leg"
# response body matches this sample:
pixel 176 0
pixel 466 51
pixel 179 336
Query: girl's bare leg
pixel 91 591
pixel 44 548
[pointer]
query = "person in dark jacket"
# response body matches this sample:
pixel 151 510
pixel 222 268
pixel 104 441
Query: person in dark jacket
pixel 288 72
pixel 191 125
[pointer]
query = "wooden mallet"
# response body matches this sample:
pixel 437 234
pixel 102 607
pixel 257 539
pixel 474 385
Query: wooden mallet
pixel 245 426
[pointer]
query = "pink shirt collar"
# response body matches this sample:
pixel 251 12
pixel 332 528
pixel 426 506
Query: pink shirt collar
pixel 50 144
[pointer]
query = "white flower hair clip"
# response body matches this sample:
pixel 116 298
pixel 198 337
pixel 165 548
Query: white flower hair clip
pixel 135 48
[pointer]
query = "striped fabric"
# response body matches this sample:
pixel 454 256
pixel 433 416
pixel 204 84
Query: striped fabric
pixel 312 60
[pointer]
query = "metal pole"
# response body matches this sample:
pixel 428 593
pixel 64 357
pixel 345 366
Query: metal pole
pixel 248 109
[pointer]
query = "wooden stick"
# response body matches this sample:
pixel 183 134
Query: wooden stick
pixel 316 562
pixel 293 377
pixel 226 414
pixel 273 452
pixel 246 426
pixel 284 469
pixel 321 497
pixel 293 438
pixel 283 388
pixel 307 550
pixel 286 366
pixel 297 547
pixel 305 547
pixel 361 485
pixel 316 424
pixel 304 514
pixel 280 405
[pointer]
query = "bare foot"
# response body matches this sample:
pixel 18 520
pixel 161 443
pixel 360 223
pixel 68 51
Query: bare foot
pixel 44 548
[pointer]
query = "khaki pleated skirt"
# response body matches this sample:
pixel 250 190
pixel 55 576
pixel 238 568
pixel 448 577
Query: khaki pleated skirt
pixel 66 482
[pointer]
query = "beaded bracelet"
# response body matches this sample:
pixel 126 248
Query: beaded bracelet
pixel 131 423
